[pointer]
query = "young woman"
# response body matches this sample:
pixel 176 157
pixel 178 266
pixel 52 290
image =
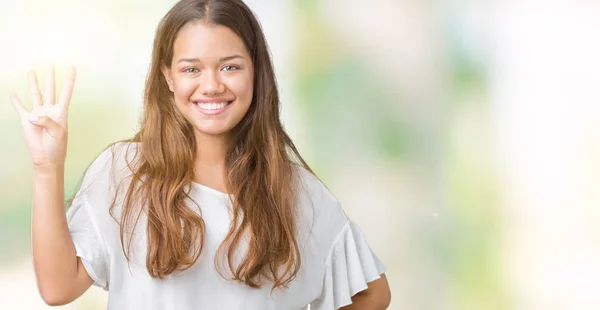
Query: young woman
pixel 209 205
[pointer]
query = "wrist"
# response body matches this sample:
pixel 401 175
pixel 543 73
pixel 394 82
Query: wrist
pixel 49 170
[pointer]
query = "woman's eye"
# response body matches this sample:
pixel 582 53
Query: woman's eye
pixel 230 68
pixel 191 70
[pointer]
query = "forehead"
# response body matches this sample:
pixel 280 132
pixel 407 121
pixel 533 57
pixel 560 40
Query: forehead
pixel 207 42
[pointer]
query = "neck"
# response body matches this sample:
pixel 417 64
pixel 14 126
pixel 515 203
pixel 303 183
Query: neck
pixel 211 150
pixel 209 163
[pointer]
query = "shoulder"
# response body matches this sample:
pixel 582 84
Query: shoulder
pixel 113 165
pixel 311 187
pixel 320 210
pixel 116 155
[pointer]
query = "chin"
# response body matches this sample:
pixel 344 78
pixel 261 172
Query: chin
pixel 211 131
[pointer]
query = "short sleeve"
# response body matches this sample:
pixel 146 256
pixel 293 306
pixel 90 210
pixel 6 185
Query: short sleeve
pixel 350 265
pixel 88 242
pixel 83 219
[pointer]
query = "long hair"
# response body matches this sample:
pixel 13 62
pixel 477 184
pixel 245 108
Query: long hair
pixel 260 165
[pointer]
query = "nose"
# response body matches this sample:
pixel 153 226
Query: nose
pixel 210 84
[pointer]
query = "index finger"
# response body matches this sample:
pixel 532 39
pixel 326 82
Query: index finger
pixel 67 90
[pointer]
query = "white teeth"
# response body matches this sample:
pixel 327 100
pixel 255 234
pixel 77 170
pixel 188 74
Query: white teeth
pixel 212 106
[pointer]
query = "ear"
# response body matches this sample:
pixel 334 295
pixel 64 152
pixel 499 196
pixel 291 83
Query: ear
pixel 167 74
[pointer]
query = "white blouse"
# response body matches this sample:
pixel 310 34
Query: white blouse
pixel 336 259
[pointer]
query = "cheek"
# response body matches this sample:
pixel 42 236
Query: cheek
pixel 183 88
pixel 243 88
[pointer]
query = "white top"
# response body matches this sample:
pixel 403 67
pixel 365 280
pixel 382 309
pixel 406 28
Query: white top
pixel 336 259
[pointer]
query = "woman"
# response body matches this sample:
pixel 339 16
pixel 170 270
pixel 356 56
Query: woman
pixel 209 205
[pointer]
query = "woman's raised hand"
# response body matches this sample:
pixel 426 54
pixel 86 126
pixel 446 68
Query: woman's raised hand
pixel 45 125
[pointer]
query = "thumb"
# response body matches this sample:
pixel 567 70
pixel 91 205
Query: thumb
pixel 53 128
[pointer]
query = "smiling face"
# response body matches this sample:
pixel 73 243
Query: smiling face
pixel 211 78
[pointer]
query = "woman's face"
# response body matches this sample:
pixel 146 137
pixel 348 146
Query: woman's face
pixel 211 77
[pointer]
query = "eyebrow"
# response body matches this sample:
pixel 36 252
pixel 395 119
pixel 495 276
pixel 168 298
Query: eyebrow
pixel 193 60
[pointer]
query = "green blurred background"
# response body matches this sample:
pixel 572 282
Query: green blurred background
pixel 462 136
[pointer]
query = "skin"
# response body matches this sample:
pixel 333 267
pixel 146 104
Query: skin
pixel 208 76
pixel 60 275
pixel 209 62
pixel 376 297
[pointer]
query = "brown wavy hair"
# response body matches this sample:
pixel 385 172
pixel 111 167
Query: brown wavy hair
pixel 260 165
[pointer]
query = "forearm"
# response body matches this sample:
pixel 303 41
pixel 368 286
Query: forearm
pixel 54 255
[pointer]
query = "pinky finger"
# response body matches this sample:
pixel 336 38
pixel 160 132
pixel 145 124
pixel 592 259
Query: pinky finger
pixel 17 104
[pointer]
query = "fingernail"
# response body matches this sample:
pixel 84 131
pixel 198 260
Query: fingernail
pixel 34 118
